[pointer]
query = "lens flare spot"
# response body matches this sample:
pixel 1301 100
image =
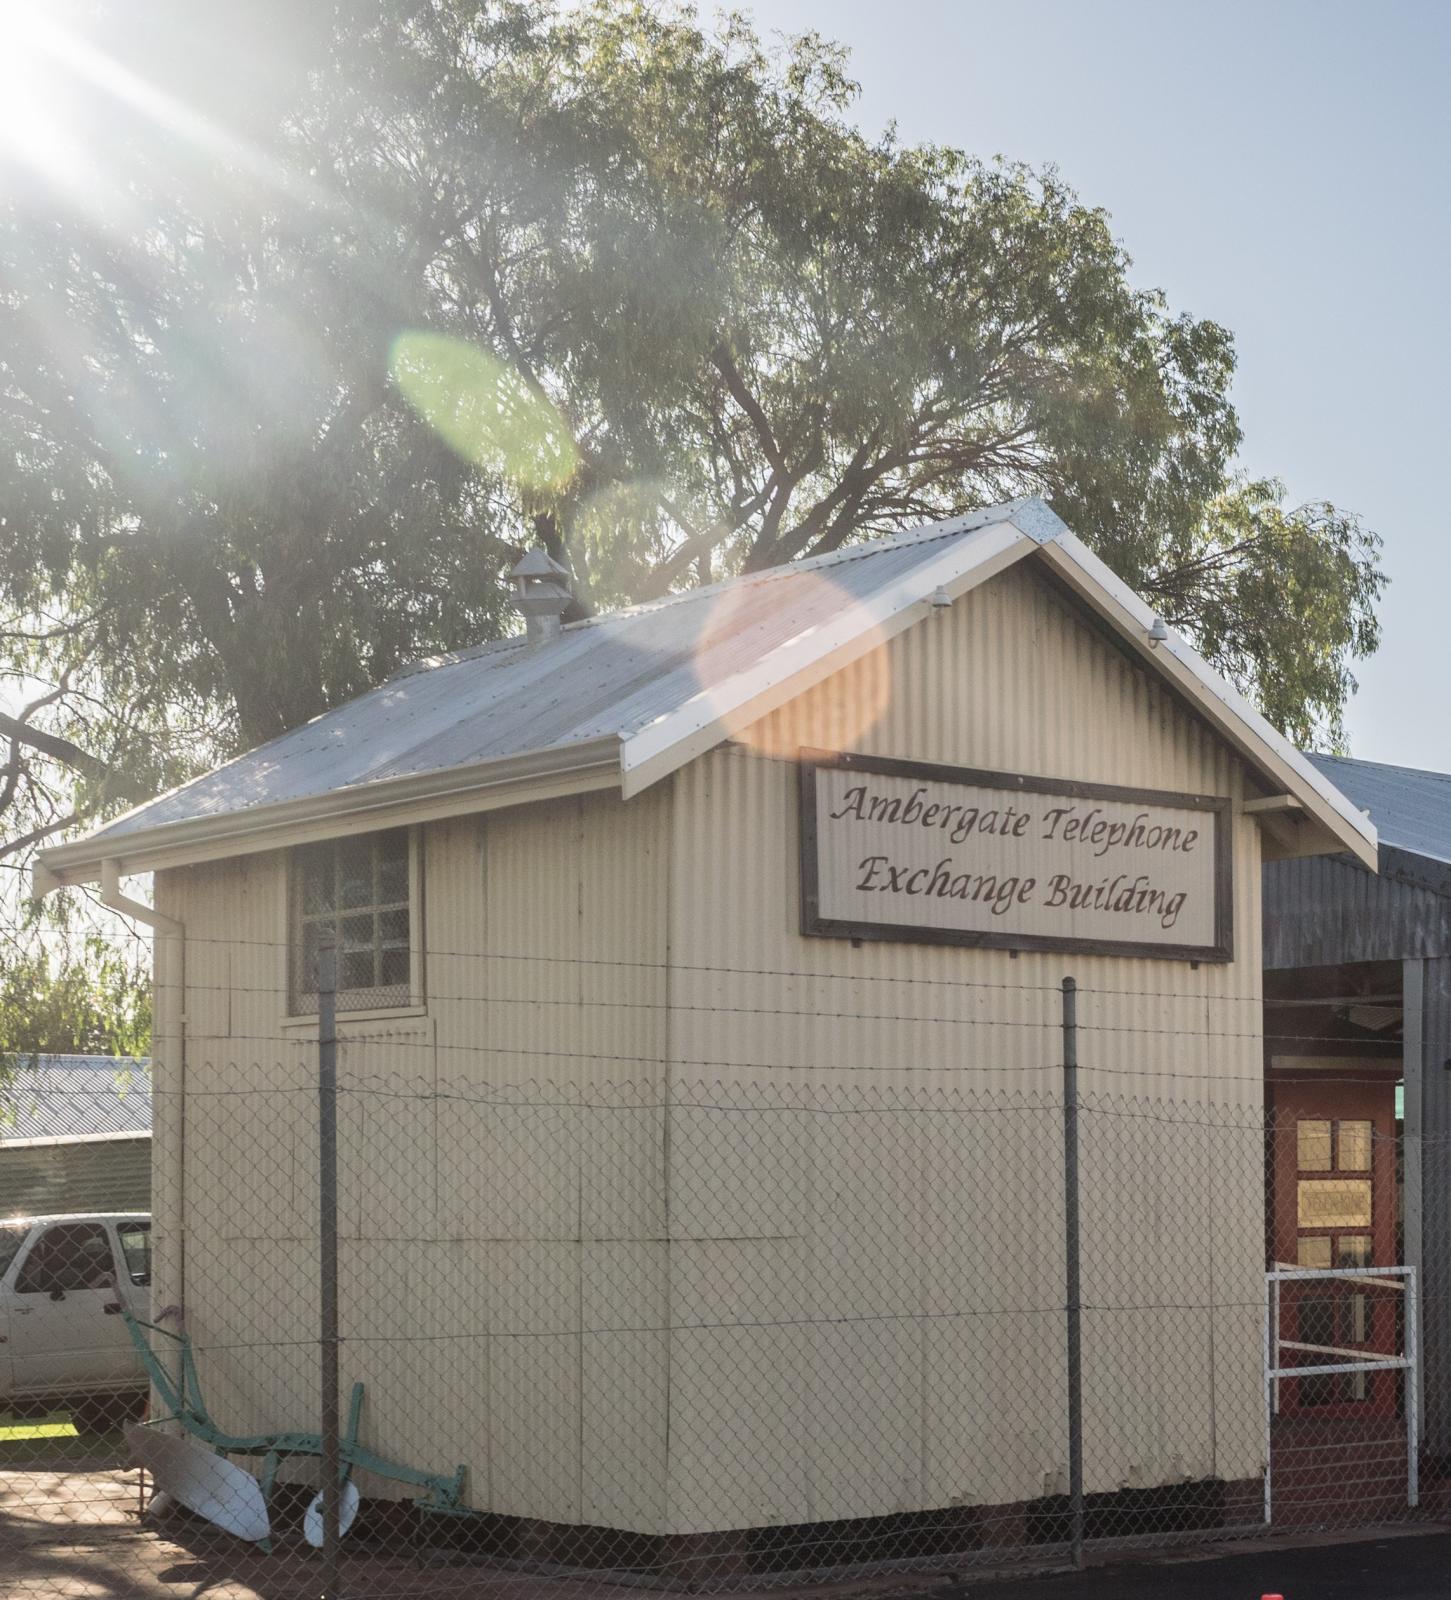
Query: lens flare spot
pixel 836 714
pixel 484 410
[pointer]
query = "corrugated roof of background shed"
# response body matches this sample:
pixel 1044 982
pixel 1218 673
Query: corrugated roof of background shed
pixel 1411 808
pixel 611 674
pixel 62 1096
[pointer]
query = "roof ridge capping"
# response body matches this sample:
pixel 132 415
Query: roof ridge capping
pixel 1049 524
pixel 1032 515
pixel 1036 518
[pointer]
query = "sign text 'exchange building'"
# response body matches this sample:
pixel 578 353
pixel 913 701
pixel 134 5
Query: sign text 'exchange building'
pixel 945 855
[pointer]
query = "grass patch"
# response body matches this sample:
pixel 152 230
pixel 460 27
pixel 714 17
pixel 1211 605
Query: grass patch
pixel 56 1427
pixel 50 1440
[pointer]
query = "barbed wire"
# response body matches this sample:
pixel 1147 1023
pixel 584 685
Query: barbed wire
pixel 1206 968
pixel 289 1046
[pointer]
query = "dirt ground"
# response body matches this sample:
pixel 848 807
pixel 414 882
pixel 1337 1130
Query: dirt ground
pixel 77 1533
pixel 74 1534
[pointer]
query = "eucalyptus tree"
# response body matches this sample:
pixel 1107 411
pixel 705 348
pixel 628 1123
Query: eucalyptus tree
pixel 292 366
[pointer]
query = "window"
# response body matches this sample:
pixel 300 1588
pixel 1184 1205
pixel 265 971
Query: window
pixel 73 1255
pixel 1355 1143
pixel 12 1236
pixel 1351 1141
pixel 361 892
pixel 135 1240
pixel 1314 1250
pixel 1312 1145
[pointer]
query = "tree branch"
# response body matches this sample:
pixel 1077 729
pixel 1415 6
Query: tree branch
pixel 14 846
pixel 57 748
pixel 724 363
pixel 696 545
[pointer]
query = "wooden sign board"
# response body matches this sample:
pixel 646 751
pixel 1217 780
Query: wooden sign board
pixel 950 855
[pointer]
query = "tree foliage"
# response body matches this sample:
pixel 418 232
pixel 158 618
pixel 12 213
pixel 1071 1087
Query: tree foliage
pixel 93 998
pixel 290 371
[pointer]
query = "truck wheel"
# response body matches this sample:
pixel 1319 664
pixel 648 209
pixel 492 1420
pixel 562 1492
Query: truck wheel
pixel 100 1413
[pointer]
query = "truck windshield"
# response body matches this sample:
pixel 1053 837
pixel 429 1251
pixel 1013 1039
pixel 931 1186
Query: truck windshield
pixel 12 1236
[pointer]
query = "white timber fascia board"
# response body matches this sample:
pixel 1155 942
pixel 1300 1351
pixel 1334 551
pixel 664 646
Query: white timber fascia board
pixel 1222 706
pixel 51 1140
pixel 670 741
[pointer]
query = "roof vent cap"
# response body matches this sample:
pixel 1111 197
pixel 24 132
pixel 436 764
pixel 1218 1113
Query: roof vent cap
pixel 541 594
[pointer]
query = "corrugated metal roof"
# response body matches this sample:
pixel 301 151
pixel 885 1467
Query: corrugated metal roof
pixel 1411 808
pixel 645 690
pixel 61 1097
pixel 611 674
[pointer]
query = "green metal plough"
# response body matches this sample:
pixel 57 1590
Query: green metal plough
pixel 185 1405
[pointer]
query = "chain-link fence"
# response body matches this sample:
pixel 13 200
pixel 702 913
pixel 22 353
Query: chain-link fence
pixel 617 1302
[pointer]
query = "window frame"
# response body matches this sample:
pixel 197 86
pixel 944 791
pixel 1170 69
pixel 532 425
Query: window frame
pixel 22 1231
pixel 301 1009
pixel 56 1291
pixel 140 1225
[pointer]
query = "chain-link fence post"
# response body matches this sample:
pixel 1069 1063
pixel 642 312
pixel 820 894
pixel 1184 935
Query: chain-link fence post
pixel 1071 1279
pixel 327 1139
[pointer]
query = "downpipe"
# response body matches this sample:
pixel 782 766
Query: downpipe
pixel 174 1144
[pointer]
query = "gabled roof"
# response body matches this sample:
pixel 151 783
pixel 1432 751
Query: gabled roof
pixel 622 700
pixel 1411 808
pixel 67 1097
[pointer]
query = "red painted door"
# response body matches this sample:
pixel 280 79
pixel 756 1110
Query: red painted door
pixel 1333 1188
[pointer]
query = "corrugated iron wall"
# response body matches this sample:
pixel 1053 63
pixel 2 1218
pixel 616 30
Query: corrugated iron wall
pixel 46 1177
pixel 1008 680
pixel 482 1227
pixel 1324 910
pixel 1435 1035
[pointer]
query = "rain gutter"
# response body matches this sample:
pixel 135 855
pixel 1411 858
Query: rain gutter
pixel 358 808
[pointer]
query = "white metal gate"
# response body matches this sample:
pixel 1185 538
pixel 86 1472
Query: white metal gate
pixel 1399 1280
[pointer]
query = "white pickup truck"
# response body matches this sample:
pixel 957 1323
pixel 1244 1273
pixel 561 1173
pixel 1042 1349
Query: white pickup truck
pixel 64 1344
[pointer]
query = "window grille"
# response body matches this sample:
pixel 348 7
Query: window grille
pixel 359 891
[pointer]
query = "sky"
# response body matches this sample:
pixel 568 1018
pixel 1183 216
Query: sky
pixel 1281 167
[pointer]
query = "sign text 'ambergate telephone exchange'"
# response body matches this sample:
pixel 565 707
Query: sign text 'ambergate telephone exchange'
pixel 895 849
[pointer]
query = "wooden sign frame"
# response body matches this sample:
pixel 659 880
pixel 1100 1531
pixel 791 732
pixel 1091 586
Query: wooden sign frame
pixel 816 926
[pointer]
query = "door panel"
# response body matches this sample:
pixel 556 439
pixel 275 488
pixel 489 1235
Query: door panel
pixel 1333 1183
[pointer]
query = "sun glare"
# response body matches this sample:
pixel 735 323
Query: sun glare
pixel 33 64
pixel 64 101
